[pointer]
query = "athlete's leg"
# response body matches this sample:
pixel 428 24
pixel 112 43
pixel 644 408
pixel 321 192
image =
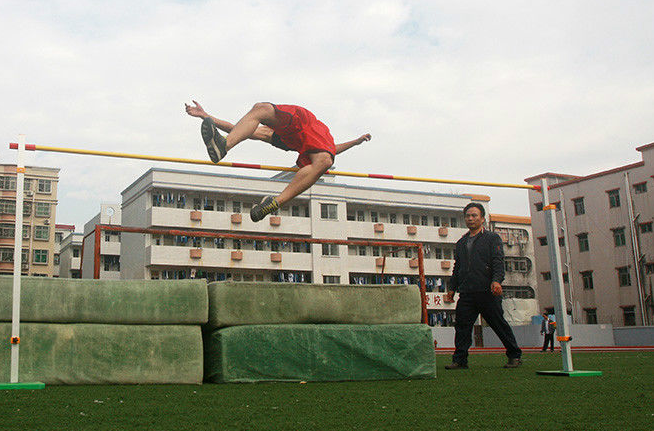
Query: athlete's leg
pixel 261 113
pixel 306 176
pixel 303 179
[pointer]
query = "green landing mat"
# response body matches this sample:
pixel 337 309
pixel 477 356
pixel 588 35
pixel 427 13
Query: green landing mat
pixel 147 302
pixel 24 385
pixel 260 353
pixel 76 354
pixel 242 303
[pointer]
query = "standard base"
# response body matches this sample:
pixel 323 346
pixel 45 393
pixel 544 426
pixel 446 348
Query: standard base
pixel 575 373
pixel 22 385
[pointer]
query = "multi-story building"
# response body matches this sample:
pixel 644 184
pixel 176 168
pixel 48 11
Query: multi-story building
pixel 70 256
pixel 604 280
pixel 173 199
pixel 61 231
pixel 39 211
pixel 110 214
pixel 519 286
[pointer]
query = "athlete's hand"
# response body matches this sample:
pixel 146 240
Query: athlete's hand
pixel 449 297
pixel 496 288
pixel 364 138
pixel 196 111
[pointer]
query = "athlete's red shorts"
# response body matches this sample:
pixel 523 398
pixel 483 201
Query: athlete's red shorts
pixel 301 131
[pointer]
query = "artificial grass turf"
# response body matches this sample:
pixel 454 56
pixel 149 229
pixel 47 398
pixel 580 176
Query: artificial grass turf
pixel 484 397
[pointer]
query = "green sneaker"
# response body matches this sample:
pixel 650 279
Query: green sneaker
pixel 267 205
pixel 214 141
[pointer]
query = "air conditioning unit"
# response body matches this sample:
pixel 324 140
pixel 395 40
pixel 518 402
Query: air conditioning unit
pixel 29 193
pixel 46 221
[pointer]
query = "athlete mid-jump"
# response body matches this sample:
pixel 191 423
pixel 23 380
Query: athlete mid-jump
pixel 288 127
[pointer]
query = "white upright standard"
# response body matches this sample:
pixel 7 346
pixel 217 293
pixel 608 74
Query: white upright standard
pixel 18 247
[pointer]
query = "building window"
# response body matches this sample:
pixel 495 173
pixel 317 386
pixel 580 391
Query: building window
pixel 587 279
pixel 331 279
pixel 629 314
pixel 565 277
pixel 7 183
pixel 542 240
pixel 55 258
pixel 614 198
pixel 236 244
pixel 42 232
pixel 58 237
pixel 76 252
pixel 45 186
pixel 591 316
pixel 522 292
pixel 406 219
pixel 328 211
pixel 392 218
pixel 6 254
pixel 618 237
pixel 539 206
pixel 517 264
pixel 373 216
pixel 208 204
pixel 274 246
pixel 42 209
pixel 295 211
pixel 580 209
pixel 584 245
pixel 330 249
pixel 437 221
pixel 561 241
pixel 7 207
pixel 220 205
pixel 40 256
pixel 646 227
pixel 454 222
pixel 624 277
pixel 640 188
pixel 236 207
pixel 546 275
pixel 361 216
pixel 375 250
pixel 424 221
pixel 362 250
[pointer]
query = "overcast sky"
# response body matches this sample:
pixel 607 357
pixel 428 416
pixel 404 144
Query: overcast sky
pixel 478 90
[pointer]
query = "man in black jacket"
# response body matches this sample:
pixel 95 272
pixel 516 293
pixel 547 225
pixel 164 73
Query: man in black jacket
pixel 478 272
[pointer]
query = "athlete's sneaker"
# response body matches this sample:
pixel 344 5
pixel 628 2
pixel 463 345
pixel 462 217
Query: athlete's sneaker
pixel 267 205
pixel 214 141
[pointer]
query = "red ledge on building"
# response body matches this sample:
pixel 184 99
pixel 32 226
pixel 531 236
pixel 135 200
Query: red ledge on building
pixel 442 231
pixel 196 253
pixel 446 264
pixel 237 218
pixel 196 215
pixel 275 220
pixel 411 230
pixel 379 227
pixel 275 257
pixel 65 226
pixel 237 255
pixel 503 218
pixel 413 263
pixel 481 198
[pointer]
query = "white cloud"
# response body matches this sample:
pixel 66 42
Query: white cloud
pixel 469 90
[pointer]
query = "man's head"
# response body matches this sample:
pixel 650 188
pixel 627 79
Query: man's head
pixel 474 215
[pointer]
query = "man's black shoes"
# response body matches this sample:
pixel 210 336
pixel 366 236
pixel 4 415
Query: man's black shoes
pixel 267 205
pixel 456 366
pixel 513 363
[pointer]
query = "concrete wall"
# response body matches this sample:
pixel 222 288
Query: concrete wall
pixel 529 336
pixel 634 336
pixel 443 336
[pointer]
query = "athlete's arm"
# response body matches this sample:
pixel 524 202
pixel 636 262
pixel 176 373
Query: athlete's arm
pixel 349 144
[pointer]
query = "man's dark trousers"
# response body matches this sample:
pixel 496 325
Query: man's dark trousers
pixel 468 307
pixel 549 339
